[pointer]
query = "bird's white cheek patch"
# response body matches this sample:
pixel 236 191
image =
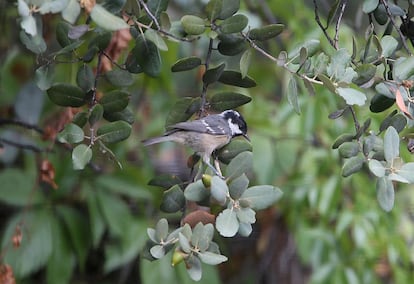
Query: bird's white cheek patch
pixel 234 127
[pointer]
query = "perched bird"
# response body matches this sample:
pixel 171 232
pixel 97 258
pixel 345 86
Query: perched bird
pixel 205 135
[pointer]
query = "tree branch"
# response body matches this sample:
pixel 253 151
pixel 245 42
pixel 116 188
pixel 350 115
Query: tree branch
pixel 23 146
pixel 338 22
pixel 4 121
pixel 387 9
pixel 324 29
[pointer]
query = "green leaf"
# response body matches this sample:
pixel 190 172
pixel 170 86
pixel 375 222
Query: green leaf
pixel 389 44
pixel 71 11
pixel 211 258
pixel 72 133
pixel 231 45
pixel 226 223
pixel 44 77
pixel 62 249
pixel 114 131
pixel 147 56
pixel 62 31
pixel 352 165
pixel 234 148
pixel 228 100
pixel 369 6
pixel 173 200
pixel 246 215
pixel 212 75
pixel 407 172
pixel 104 19
pixel 245 229
pixel 234 24
pixel 157 251
pixel 385 193
pixel 245 60
pixel 185 64
pixel 327 83
pixel 219 190
pixel 78 228
pixel 352 96
pixel 154 37
pixel 391 144
pixel 365 73
pixel 124 186
pixel 229 8
pixel 52 6
pixel 17 188
pixel 196 191
pixel 183 109
pixel 193 25
pixel 184 243
pixel 346 137
pixel 36 246
pixel 119 78
pixel 194 269
pixel 80 119
pixel 235 78
pixel 266 32
pixel 161 230
pixel 261 196
pixel 64 94
pixel 241 164
pixel 85 77
pixel 96 219
pixel 213 9
pixel 28 24
pixel 403 68
pixel 36 43
pixel 81 156
pixel 380 14
pixel 238 186
pixel 379 103
pixel 376 167
pixel 348 149
pixel 96 114
pixel 126 115
pixel 292 94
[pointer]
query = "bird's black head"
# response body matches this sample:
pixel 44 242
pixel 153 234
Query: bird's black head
pixel 236 122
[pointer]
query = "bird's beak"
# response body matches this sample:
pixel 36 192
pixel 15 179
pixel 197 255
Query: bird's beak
pixel 247 137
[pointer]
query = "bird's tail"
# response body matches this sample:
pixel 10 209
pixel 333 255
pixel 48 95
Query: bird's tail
pixel 156 140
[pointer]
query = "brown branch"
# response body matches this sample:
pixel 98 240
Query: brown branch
pixel 324 29
pixel 338 22
pixel 387 9
pixel 23 146
pixel 5 121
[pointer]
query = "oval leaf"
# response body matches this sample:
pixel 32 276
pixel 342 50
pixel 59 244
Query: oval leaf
pixel 228 100
pixel 348 149
pixel 352 166
pixel 85 77
pixel 235 78
pixel 219 190
pixel 234 24
pixel 211 258
pixel 119 77
pixel 107 20
pixel 196 191
pixel 292 94
pixel 376 167
pixel 352 96
pixel 385 193
pixel 72 133
pixel 193 25
pixel 68 95
pixel 114 132
pixel 213 74
pixel 261 196
pixel 173 200
pixel 239 165
pixel 391 144
pixel 81 156
pixel 147 56
pixel 114 101
pixel 266 32
pixel 226 223
pixel 185 64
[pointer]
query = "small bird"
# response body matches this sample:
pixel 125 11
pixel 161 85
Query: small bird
pixel 205 135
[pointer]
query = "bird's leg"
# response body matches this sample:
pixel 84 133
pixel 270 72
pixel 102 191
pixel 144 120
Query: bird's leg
pixel 206 161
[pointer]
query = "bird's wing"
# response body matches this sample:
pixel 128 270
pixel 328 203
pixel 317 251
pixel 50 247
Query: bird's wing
pixel 209 124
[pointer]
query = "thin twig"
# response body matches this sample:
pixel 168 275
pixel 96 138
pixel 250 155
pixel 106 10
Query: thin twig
pixel 205 85
pixel 387 9
pixel 324 29
pixel 4 121
pixel 356 123
pixel 153 18
pixel 338 22
pixel 275 60
pixel 23 146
